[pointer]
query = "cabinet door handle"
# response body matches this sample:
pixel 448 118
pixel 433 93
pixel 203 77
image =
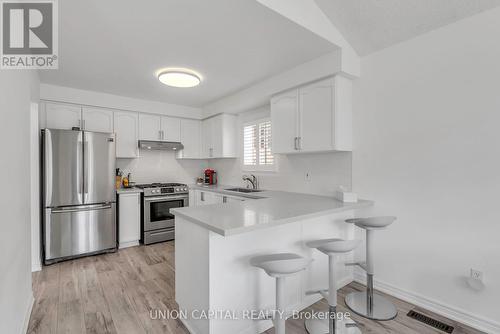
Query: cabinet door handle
pixel 202 196
pixel 224 199
pixel 296 147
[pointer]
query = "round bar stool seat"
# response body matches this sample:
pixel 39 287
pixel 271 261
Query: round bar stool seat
pixel 334 246
pixel 367 303
pixel 280 266
pixel 372 223
pixel 332 325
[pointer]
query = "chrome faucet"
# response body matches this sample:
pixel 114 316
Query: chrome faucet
pixel 252 179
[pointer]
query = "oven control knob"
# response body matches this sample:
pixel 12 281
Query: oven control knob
pixel 185 189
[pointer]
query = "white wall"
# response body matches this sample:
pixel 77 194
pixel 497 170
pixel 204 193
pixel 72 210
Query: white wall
pixel 427 149
pixel 260 93
pixel 328 170
pixel 35 187
pixel 15 261
pixel 86 97
pixel 161 166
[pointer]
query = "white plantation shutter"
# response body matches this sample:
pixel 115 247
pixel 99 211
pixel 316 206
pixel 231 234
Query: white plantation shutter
pixel 249 145
pixel 265 155
pixel 257 141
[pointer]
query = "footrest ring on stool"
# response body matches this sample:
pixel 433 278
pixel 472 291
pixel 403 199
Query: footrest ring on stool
pixel 382 308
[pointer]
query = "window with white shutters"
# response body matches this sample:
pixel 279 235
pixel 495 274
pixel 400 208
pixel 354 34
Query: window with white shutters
pixel 257 141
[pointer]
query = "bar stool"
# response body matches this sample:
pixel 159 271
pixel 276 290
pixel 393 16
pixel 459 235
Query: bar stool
pixel 331 247
pixel 280 266
pixel 368 304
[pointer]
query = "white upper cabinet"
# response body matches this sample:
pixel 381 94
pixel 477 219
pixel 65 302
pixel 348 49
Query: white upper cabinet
pixel 206 138
pixel 316 121
pixel 191 139
pixel 219 136
pixel 97 119
pixel 159 128
pixel 170 128
pixel 149 127
pixel 62 116
pixel 313 118
pixel 284 119
pixel 127 134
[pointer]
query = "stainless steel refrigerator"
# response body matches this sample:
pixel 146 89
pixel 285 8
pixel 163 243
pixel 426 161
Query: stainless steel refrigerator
pixel 78 173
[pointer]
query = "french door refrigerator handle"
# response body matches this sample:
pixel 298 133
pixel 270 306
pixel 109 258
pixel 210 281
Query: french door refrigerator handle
pixel 82 208
pixel 85 176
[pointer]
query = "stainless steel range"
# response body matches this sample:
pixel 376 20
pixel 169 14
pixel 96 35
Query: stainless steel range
pixel 157 223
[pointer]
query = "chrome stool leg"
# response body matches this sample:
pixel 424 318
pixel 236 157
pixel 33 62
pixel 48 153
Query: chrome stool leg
pixel 280 266
pixel 367 303
pixel 332 324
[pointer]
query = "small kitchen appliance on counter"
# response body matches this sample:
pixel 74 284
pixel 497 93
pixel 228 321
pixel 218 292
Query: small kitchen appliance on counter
pixel 210 176
pixel 157 223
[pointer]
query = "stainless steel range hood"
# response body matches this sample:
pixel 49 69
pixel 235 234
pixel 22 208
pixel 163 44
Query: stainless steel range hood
pixel 160 145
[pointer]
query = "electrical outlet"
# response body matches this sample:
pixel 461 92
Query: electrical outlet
pixel 476 274
pixel 307 176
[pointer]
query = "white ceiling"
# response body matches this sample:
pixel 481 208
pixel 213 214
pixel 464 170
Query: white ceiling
pixel 116 46
pixel 371 25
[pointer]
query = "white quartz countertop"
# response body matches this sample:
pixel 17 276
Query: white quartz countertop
pixel 261 210
pixel 132 190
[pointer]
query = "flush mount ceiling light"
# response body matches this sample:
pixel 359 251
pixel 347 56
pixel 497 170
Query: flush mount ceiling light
pixel 179 77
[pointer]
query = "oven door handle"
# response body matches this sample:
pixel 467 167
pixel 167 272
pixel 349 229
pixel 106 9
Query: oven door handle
pixel 165 198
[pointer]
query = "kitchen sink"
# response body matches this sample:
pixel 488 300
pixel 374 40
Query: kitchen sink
pixel 244 190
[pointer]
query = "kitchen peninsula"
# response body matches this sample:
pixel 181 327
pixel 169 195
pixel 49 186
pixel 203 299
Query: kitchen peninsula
pixel 215 242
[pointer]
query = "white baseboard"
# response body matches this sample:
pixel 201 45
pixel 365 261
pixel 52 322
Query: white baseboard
pixel 453 313
pixel 262 326
pixel 188 326
pixel 31 302
pixel 36 267
pixel 128 244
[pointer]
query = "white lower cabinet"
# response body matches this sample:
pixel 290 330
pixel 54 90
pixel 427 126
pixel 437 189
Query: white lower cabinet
pixel 230 199
pixel 202 197
pixel 129 219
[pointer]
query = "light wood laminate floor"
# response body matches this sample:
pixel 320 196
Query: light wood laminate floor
pixel 114 293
